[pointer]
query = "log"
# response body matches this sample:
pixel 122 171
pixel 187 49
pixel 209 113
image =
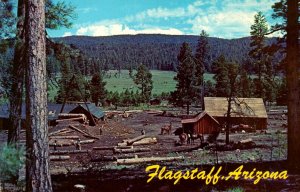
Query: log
pixel 65 137
pixel 103 148
pixel 130 141
pixel 61 144
pixel 68 115
pixel 59 131
pixel 244 141
pixel 122 144
pixel 59 157
pixel 111 147
pixel 147 160
pixel 62 152
pixel 87 141
pixel 64 132
pixel 113 158
pixel 83 132
pixel 71 119
pixel 145 141
pixel 133 150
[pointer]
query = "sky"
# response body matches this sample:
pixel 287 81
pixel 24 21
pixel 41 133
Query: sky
pixel 219 18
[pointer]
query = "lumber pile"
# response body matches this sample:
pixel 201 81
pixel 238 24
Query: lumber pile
pixel 86 134
pixel 147 160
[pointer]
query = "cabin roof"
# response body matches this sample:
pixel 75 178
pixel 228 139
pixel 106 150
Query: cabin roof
pixel 197 117
pixel 94 110
pixel 243 107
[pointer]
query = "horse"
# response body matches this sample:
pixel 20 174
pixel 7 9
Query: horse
pixel 194 137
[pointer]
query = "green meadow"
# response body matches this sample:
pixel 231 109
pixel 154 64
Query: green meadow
pixel 163 81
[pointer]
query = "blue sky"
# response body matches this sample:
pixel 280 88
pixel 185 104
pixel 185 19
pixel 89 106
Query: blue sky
pixel 220 18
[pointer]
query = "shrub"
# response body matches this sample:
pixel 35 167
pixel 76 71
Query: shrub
pixel 11 161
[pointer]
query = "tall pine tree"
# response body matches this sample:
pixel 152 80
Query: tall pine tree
pixel 186 90
pixel 143 79
pixel 201 62
pixel 258 32
pixel 97 89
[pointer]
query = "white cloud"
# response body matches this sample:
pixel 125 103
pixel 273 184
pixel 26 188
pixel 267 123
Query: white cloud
pixel 67 34
pixel 220 18
pixel 228 19
pixel 86 10
pixel 120 29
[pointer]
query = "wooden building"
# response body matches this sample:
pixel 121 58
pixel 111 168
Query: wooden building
pixel 202 123
pixel 93 113
pixel 250 111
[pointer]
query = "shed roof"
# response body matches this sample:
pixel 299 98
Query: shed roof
pixel 53 110
pixel 95 111
pixel 241 107
pixel 197 118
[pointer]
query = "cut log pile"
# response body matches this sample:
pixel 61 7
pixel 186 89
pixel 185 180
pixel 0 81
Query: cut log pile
pixel 69 134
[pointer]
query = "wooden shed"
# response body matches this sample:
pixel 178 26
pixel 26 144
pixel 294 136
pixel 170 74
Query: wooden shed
pixel 91 111
pixel 202 123
pixel 250 111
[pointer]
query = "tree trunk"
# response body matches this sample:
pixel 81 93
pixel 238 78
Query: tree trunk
pixel 228 124
pixel 187 108
pixel 293 85
pixel 16 91
pixel 37 161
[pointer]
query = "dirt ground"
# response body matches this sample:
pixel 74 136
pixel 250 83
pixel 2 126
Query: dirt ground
pixel 270 145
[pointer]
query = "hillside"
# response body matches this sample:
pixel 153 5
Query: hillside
pixel 155 51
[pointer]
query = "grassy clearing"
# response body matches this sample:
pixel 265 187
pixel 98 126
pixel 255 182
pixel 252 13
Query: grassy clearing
pixel 163 81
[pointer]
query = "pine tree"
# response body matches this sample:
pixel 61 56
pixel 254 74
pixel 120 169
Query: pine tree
pixel 226 86
pixel 37 161
pixel 97 89
pixel 143 79
pixel 201 62
pixel 293 83
pixel 244 83
pixel 258 32
pixel 220 69
pixel 186 90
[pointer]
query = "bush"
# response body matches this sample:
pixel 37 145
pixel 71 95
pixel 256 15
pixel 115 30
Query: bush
pixel 11 161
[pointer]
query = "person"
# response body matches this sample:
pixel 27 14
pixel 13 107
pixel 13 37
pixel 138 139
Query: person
pixel 100 131
pixel 143 132
pixel 78 145
pixel 55 145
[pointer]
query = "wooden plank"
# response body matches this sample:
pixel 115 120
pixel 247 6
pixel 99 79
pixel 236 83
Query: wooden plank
pixel 147 160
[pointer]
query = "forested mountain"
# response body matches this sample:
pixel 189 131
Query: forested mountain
pixel 155 51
